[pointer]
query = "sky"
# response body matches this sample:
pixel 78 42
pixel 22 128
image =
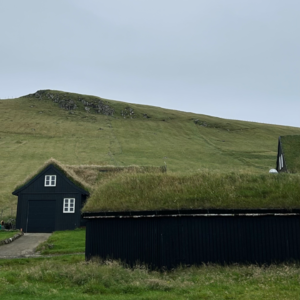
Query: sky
pixel 235 59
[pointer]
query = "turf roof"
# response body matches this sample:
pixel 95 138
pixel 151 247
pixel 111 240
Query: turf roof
pixel 291 149
pixel 66 170
pixel 86 176
pixel 203 190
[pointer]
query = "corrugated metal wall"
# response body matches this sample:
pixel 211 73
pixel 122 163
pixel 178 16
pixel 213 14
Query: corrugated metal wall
pixel 170 241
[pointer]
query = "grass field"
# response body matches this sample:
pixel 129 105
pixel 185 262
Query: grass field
pixel 7 234
pixel 64 242
pixel 70 277
pixel 35 129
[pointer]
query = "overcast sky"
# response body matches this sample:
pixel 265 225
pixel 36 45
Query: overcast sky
pixel 236 59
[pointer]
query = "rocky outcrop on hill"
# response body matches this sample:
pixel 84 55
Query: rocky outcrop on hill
pixel 68 102
pixel 201 123
pixel 98 105
pixel 127 112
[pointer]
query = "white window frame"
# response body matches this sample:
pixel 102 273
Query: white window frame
pixel 69 206
pixel 50 180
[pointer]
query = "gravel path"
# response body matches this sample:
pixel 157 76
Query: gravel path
pixel 24 246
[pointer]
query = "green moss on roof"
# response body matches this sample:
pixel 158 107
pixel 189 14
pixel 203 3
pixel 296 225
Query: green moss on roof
pixel 132 192
pixel 66 170
pixel 86 176
pixel 291 150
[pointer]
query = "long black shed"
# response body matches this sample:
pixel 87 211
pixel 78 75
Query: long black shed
pixel 50 201
pixel 166 239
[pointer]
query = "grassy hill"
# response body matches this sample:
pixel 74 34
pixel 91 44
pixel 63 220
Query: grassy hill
pixel 79 129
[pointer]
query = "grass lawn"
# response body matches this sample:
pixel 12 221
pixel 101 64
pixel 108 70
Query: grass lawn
pixel 7 234
pixel 70 276
pixel 69 241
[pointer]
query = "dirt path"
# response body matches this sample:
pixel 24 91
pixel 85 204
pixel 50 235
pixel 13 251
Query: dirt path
pixel 23 246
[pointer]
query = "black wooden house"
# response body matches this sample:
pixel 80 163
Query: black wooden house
pixel 166 239
pixel 51 200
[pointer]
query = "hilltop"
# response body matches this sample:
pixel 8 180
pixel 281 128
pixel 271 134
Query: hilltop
pixel 82 130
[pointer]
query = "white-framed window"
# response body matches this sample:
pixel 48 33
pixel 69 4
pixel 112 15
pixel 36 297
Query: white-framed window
pixel 50 180
pixel 69 205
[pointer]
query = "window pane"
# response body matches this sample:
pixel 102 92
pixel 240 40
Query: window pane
pixel 69 205
pixel 50 180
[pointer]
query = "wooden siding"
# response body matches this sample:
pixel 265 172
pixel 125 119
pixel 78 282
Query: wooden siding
pixel 167 242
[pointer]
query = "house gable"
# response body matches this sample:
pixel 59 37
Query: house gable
pixel 38 183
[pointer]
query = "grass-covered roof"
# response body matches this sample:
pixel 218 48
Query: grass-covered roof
pixel 291 149
pixel 202 190
pixel 87 176
pixel 66 170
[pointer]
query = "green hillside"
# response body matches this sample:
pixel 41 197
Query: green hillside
pixel 79 129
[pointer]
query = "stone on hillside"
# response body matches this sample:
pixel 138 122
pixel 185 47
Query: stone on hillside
pixel 67 103
pixel 127 112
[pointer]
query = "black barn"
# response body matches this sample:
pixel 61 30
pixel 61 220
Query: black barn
pixel 166 239
pixel 50 201
pixel 288 155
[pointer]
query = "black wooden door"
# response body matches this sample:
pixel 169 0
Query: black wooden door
pixel 41 216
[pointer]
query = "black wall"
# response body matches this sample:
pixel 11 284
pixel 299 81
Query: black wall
pixel 170 241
